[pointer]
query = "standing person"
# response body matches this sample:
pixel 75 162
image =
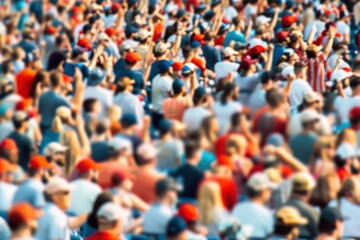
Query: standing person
pixel 227 65
pixel 254 212
pixel 84 190
pixel 55 154
pixel 10 152
pixel 331 224
pixel 236 35
pixel 346 161
pixel 211 54
pixel 7 189
pixel 257 99
pixel 299 86
pixel 23 221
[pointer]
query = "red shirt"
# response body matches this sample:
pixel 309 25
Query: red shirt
pixel 228 190
pixel 103 236
pixel 24 82
pixel 220 41
pixel 220 145
pixel 343 174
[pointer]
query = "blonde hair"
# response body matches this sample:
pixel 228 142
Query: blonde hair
pixel 57 125
pixel 356 11
pixel 69 139
pixel 114 113
pixel 321 145
pixel 351 189
pixel 236 145
pixel 209 198
pixel 347 136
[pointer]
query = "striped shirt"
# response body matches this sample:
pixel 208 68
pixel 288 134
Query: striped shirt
pixel 316 73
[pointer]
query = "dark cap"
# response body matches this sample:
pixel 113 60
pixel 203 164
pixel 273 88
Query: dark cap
pixel 130 29
pixel 266 77
pixel 128 120
pixel 178 85
pixel 331 215
pixel 215 3
pixel 180 13
pixel 165 126
pixel 209 15
pixel 165 185
pixel 200 92
pixel 175 226
pixel 164 65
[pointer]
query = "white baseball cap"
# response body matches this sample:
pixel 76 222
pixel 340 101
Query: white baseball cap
pixel 260 181
pixel 57 184
pixel 309 115
pixel 53 148
pixel 103 36
pixel 345 151
pixel 228 51
pixel 119 143
pixel 287 71
pixel 337 76
pixel 63 112
pixel 257 42
pixel 311 97
pixel 147 151
pixel 110 212
pixel 261 19
pixel 143 34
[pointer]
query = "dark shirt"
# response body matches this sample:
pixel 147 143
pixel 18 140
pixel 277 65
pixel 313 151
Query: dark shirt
pixel 99 151
pixel 27 46
pixel 190 177
pixel 120 64
pixel 212 55
pixel 136 75
pixel 25 146
pixel 154 70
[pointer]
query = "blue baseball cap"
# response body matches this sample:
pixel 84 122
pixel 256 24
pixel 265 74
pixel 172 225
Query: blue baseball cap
pixel 131 2
pixel 186 70
pixel 164 126
pixel 175 226
pixel 96 76
pixel 209 15
pixel 195 44
pixel 3 109
pixel 180 13
pixel 164 65
pixel 200 92
pixel 224 27
pixel 128 120
pixel 178 85
pixel 201 7
pixel 130 29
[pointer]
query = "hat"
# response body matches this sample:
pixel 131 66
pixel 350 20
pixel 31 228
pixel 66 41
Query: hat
pixel 275 139
pixel 128 120
pixel 4 108
pixel 161 47
pixel 147 151
pixel 188 212
pixel 281 36
pixel 310 97
pixel 346 150
pixel 228 51
pixel 86 165
pixel 178 85
pixel 309 115
pixel 188 68
pixel 261 19
pixel 199 62
pixel 57 184
pixel 257 42
pixel 175 226
pixel 23 104
pixel 246 63
pixel 97 75
pixel 132 57
pixel 289 216
pixel 23 213
pixel 224 27
pixel 110 212
pixel 50 30
pixel 200 92
pixel 120 143
pixel 287 21
pixel 5 166
pixel 287 71
pixel 84 43
pixel 164 65
pixel 256 51
pixel 259 182
pixel 125 81
pixel 111 31
pixel 198 37
pixel 8 144
pixel 177 66
pixel 63 112
pixel 226 161
pixel 195 44
pixel 115 7
pixel 120 176
pixel 239 46
pixel 355 113
pixel 143 34
pixel 302 182
pixel 289 3
pixel 164 185
pixel 20 116
pixel 209 15
pixel 215 3
pixel 180 13
pixel 53 148
pixel 331 215
pixel 130 29
pixel 124 47
pixel 38 162
pixel 337 76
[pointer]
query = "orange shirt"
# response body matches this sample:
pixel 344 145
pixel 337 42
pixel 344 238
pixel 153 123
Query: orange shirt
pixel 108 169
pixel 174 108
pixel 24 82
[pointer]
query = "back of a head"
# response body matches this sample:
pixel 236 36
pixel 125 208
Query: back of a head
pixel 55 79
pixel 274 98
pixel 191 148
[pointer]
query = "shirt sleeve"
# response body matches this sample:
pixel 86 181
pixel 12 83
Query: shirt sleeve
pixel 56 231
pixel 38 199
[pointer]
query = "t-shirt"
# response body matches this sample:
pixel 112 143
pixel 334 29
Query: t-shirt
pixel 234 36
pixel 222 69
pixel 247 85
pixel 100 151
pixel 6 128
pixel 344 105
pixel 342 28
pixel 69 69
pixel 161 86
pixel 135 75
pixel 298 88
pixel 174 108
pixel 212 56
pixel 27 46
pixel 154 70
pixel 224 112
pixel 7 192
pixel 267 124
pixel 32 192
pixel 102 235
pixel 25 80
pixel 108 168
pixel 278 52
pixel 169 154
pixel 189 176
pixel 103 95
pixel 83 195
pixel 129 103
pixel 256 217
pixel 157 218
pixel 194 116
pixel 120 64
pixel 302 146
pixel 49 102
pixel 257 100
pixel 25 146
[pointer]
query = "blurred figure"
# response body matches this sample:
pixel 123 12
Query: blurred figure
pixel 189 213
pixel 176 229
pixel 331 224
pixel 7 189
pixel 326 189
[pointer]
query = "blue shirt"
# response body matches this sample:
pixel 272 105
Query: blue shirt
pixel 212 55
pixel 302 146
pixel 27 46
pixel 234 36
pixel 154 70
pixel 69 69
pixel 278 52
pixel 100 151
pixel 136 75
pixel 120 64
pixel 32 192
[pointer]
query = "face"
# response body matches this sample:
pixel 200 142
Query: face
pixel 62 199
pixel 171 196
pixel 266 194
pixel 14 156
pixel 33 225
pixel 59 158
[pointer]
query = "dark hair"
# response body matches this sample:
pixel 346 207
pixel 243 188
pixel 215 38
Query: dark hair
pixel 17 124
pixel 55 79
pixel 228 89
pixel 88 104
pixel 40 77
pixel 221 84
pixel 274 98
pixel 6 66
pixel 339 162
pixel 326 226
pixel 191 147
pixel 15 225
pixel 283 229
pixel 100 200
pixel 310 54
pixel 354 82
pixel 253 193
pixel 356 65
pixel 235 119
pixel 32 172
pixel 186 51
pixel 101 127
pixel 300 192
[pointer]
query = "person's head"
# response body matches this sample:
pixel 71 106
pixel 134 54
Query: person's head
pixel 190 214
pixel 267 80
pixel 8 67
pixel 287 222
pixel 179 87
pixel 230 93
pixel 123 180
pixel 331 222
pixel 301 185
pixel 210 126
pixel 57 191
pixel 312 100
pixel 229 54
pixel 176 229
pixel 6 171
pixel 55 153
pixel 259 188
pixel 124 49
pixel 313 51
pixel 9 150
pixel 38 168
pixel 100 200
pixel 236 146
pixel 56 80
pixel 300 70
pixel 147 155
pixel 161 49
pixel 165 127
pixel 124 84
pixel 192 151
pixel 20 121
pixel 324 148
pixel 166 191
pixel 200 96
pixel 274 98
pixel 309 120
pixel 209 198
pixel 22 220
pixel 237 119
pixel 355 85
pixel 347 157
pixel 350 190
pixel 165 67
pixel 110 218
pixel 64 114
pixel 326 189
pixel 129 122
pixel 132 58
pixel 88 169
pixel 92 105
pixel 354 116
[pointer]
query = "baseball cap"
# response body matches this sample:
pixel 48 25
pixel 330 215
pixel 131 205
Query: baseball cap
pixel 199 62
pixel 239 46
pixel 309 115
pixel 84 43
pixel 259 182
pixel 23 104
pixel 331 215
pixel 261 19
pixel 228 51
pixel 103 37
pixel 143 34
pixel 132 57
pixel 302 182
pixel 53 148
pixel 147 151
pixel 209 15
pixel 287 71
pixel 200 92
pixel 310 97
pixel 128 120
pixel 124 47
pixel 57 184
pixel 337 76
pixel 20 116
pixel 275 139
pixel 177 66
pixel 97 75
pixel 215 3
pixel 110 212
pixel 178 85
pixel 355 113
pixel 195 44
pixel 188 212
pixel 287 21
pixel 256 51
pixel 5 166
pixel 180 13
pixel 63 112
pixel 111 31
pixel 9 144
pixel 86 165
pixel 130 29
pixel 23 213
pixel 281 36
pixel 289 216
pixel 188 68
pixel 161 47
pixel 4 108
pixel 164 65
pixel 257 42
pixel 120 143
pixel 246 63
pixel 346 150
pixel 175 226
pixel 165 125
pixel 50 30
pixel 120 176
pixel 38 162
pixel 164 185
pixel 115 6
pixel 224 27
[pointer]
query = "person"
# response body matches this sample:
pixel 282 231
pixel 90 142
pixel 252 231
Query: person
pixel 326 189
pixel 10 152
pixel 299 86
pixel 254 213
pixel 55 154
pixel 227 65
pixel 176 229
pixel 346 161
pixel 31 190
pixel 189 213
pixel 322 162
pixel 257 99
pixel 287 222
pixel 6 125
pixel 211 53
pixel 161 211
pixel 110 221
pixel 302 184
pixel 331 224
pixel 84 190
pixel 23 221
pixel 7 189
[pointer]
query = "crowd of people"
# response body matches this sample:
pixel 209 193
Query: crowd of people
pixel 179 120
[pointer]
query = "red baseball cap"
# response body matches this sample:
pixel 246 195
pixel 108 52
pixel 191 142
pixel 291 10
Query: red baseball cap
pixel 282 36
pixel 86 165
pixel 226 161
pixel 50 30
pixel 119 176
pixel 84 43
pixel 132 57
pixel 9 144
pixel 287 21
pixel 355 113
pixel 246 62
pixel 199 38
pixel 199 63
pixel 67 79
pixel 5 166
pixel 188 212
pixel 23 213
pixel 256 51
pixel 115 7
pixel 38 162
pixel 177 66
pixel 111 31
pixel 23 104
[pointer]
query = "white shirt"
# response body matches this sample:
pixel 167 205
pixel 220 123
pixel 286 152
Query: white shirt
pixel 298 88
pixel 77 31
pixel 161 86
pixel 224 112
pixel 342 28
pixel 320 26
pixel 295 126
pixel 194 236
pixel 343 107
pixel 257 100
pixel 83 196
pixel 247 85
pixel 222 69
pixel 194 116
pixel 156 219
pixel 103 95
pixel 129 103
pixel 7 192
pixel 255 217
pixel 230 13
pixel 131 43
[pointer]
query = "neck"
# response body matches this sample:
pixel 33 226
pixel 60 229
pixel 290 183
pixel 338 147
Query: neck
pixel 99 138
pixel 192 161
pixel 21 130
pixel 257 200
pixel 22 233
